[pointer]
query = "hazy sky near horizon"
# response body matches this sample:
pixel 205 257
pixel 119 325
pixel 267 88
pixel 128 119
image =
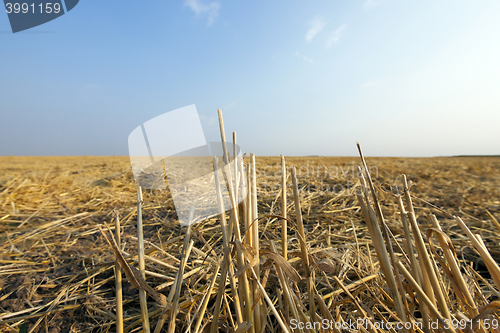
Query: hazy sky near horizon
pixel 404 78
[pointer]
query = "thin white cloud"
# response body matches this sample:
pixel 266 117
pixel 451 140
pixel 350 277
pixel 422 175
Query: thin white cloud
pixel 369 4
pixel 229 106
pixel 200 8
pixel 305 58
pixel 370 84
pixel 317 24
pixel 210 120
pixel 335 35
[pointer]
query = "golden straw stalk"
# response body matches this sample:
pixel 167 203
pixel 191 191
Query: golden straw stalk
pixel 142 265
pixel 118 279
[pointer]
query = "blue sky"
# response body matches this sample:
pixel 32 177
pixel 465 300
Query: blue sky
pixel 404 78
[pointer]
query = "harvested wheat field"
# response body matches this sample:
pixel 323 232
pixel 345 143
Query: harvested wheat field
pixel 360 248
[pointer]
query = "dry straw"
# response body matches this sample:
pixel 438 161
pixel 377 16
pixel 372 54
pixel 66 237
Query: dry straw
pixel 378 252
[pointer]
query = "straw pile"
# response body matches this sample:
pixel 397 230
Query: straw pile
pixel 375 246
